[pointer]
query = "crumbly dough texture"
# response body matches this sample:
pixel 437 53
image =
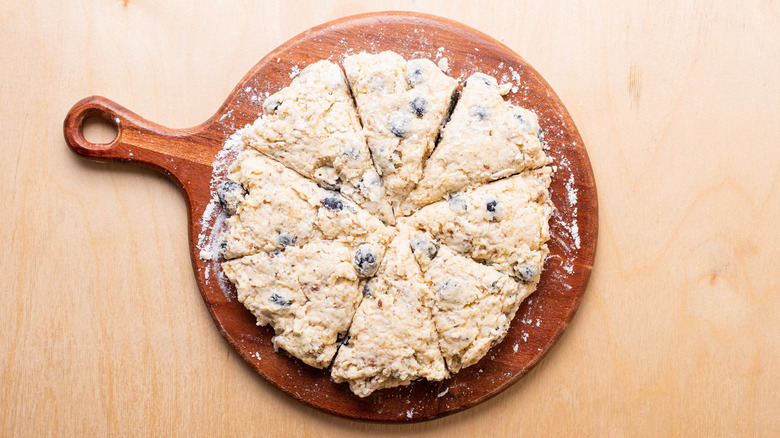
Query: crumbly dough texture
pixel 473 303
pixel 312 127
pixel 307 293
pixel 486 139
pixel 371 249
pixel 393 340
pixel 504 223
pixel 402 105
pixel 282 208
pixel 275 210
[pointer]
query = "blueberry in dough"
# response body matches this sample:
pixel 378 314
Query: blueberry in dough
pixel 425 246
pixel 271 105
pixel 525 272
pixel 349 150
pixel 399 127
pixel 458 203
pixel 279 300
pixel 366 260
pixel 528 125
pixel 332 203
pixel 419 104
pixel 230 194
pixel 382 160
pixel 367 289
pixel 284 238
pixel 479 112
pixel 414 76
pixel 449 284
pixel 493 210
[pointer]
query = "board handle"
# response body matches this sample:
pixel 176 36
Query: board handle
pixel 175 152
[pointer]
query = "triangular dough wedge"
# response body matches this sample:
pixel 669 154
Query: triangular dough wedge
pixel 308 294
pixel 474 303
pixel 504 224
pixel 486 139
pixel 312 127
pixel 272 208
pixel 278 208
pixel 402 105
pixel 392 340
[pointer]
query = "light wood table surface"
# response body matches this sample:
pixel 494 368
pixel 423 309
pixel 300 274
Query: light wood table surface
pixel 104 331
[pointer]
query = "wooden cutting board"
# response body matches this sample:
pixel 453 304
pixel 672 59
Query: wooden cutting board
pixel 187 155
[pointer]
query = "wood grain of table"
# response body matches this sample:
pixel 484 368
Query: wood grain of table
pixel 104 331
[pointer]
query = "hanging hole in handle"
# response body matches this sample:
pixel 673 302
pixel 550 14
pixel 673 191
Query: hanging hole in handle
pixel 99 130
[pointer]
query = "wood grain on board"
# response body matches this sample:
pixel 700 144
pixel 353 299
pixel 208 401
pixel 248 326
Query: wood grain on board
pixel 186 156
pixel 105 332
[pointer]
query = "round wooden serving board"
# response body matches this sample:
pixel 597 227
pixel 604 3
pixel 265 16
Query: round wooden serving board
pixel 186 156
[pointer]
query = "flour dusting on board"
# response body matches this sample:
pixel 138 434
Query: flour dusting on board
pixel 571 196
pixel 207 244
pixel 212 223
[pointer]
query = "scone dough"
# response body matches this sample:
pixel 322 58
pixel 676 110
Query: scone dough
pixel 473 303
pixel 308 294
pixel 402 105
pixel 486 139
pixel 393 340
pixel 313 128
pixel 369 248
pixel 281 208
pixel 274 211
pixel 504 223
